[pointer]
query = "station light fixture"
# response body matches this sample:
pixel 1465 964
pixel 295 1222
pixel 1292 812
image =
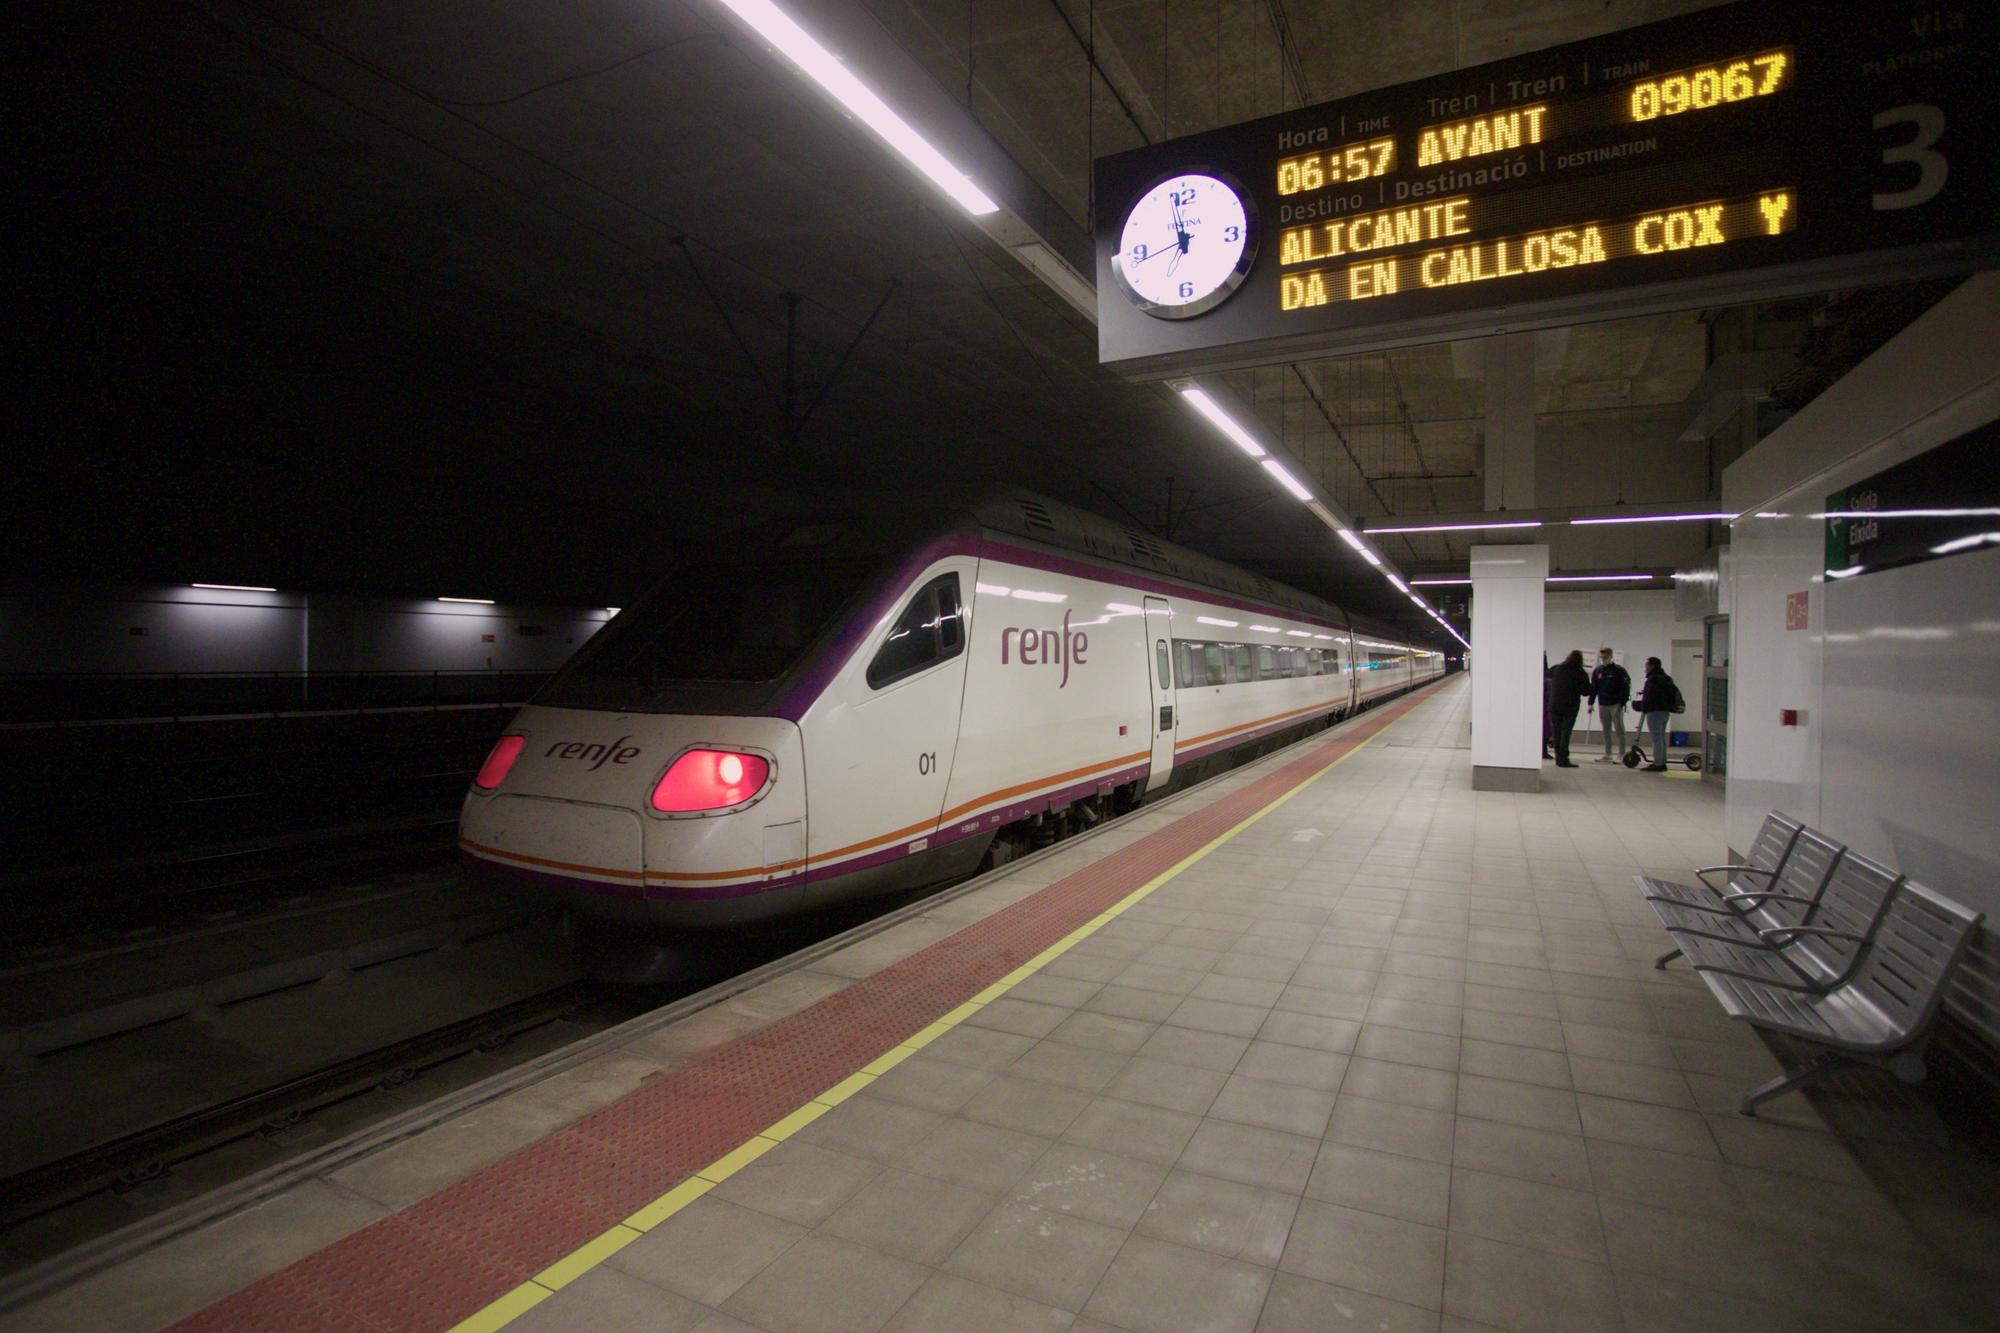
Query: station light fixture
pixel 824 68
pixel 1600 578
pixel 1223 422
pixel 1654 518
pixel 469 601
pixel 1464 527
pixel 1286 479
pixel 613 610
pixel 232 587
pixel 1401 586
pixel 1436 583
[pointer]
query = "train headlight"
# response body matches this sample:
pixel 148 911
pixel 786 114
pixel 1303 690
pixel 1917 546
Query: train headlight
pixel 505 751
pixel 710 780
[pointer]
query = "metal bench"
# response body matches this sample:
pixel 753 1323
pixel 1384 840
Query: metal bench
pixel 1814 954
pixel 1762 863
pixel 1788 898
pixel 1881 1014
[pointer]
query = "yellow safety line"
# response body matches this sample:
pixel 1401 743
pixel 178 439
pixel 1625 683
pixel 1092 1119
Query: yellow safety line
pixel 595 1251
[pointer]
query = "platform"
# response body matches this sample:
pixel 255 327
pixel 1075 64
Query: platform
pixel 1331 1042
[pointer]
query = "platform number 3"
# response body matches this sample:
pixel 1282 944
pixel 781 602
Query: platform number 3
pixel 1926 124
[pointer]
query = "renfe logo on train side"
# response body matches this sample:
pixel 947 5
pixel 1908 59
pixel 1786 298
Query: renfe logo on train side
pixel 1046 647
pixel 617 752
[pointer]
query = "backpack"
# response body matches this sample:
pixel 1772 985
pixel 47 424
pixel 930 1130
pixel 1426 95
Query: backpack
pixel 1680 704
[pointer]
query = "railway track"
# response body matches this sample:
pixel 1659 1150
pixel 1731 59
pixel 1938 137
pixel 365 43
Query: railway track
pixel 135 1158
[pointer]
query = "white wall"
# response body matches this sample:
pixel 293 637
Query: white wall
pixel 90 630
pixel 1634 623
pixel 1896 674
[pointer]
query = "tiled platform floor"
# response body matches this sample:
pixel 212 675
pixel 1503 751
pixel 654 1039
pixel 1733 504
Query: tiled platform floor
pixel 1394 1057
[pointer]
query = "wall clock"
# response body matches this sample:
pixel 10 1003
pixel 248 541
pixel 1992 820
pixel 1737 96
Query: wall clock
pixel 1187 245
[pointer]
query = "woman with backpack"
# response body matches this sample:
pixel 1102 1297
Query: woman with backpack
pixel 1659 699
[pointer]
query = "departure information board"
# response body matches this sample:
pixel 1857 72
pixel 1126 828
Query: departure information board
pixel 1745 152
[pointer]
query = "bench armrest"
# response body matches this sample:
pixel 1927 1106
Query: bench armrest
pixel 1773 932
pixel 1703 873
pixel 1760 895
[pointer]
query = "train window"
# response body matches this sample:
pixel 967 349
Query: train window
pixel 1240 669
pixel 1266 663
pixel 1166 675
pixel 928 632
pixel 1190 665
pixel 706 623
pixel 1318 659
pixel 1300 667
pixel 1215 669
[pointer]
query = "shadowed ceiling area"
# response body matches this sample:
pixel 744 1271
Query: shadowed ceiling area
pixel 530 297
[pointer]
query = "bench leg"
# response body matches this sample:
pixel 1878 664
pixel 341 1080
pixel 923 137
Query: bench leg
pixel 1665 958
pixel 1812 1071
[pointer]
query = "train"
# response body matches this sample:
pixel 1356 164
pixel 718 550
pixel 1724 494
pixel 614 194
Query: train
pixel 809 713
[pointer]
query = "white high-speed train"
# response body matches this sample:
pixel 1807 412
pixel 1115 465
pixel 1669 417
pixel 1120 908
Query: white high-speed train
pixel 848 709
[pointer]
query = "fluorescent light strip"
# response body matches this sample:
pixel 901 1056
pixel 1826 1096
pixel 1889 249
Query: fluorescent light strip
pixel 1655 518
pixel 232 587
pixel 1908 513
pixel 1435 583
pixel 1286 479
pixel 1400 585
pixel 1222 421
pixel 1211 620
pixel 1600 578
pixel 1347 535
pixel 825 69
pixel 1370 556
pixel 1465 527
pixel 469 601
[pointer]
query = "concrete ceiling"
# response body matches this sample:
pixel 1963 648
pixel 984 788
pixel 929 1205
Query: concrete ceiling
pixel 500 292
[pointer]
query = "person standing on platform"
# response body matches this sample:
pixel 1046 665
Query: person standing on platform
pixel 1656 704
pixel 1610 690
pixel 1568 684
pixel 1546 728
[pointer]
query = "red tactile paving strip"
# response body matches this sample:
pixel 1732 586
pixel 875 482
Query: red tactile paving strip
pixel 449 1255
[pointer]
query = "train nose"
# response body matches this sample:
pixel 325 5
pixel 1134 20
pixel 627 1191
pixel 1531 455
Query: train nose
pixel 669 818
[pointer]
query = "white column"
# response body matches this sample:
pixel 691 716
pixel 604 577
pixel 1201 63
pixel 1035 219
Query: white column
pixel 1507 599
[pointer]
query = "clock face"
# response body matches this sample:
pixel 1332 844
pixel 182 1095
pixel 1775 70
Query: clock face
pixel 1187 244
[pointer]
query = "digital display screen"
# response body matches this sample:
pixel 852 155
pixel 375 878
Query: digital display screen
pixel 1740 153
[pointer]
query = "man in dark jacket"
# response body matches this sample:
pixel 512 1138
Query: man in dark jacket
pixel 1567 687
pixel 1610 690
pixel 1656 705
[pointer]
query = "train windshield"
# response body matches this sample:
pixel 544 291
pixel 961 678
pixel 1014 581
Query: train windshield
pixel 731 624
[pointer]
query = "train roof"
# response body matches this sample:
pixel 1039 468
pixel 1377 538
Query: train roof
pixel 1023 513
pixel 1040 520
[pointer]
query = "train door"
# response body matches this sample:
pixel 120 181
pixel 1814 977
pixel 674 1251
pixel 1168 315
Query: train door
pixel 1353 673
pixel 1159 631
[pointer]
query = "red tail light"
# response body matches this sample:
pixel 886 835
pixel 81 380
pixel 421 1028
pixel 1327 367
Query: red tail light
pixel 505 751
pixel 710 780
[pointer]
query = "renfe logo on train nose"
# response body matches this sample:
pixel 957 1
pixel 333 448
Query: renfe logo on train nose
pixel 617 752
pixel 1046 647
